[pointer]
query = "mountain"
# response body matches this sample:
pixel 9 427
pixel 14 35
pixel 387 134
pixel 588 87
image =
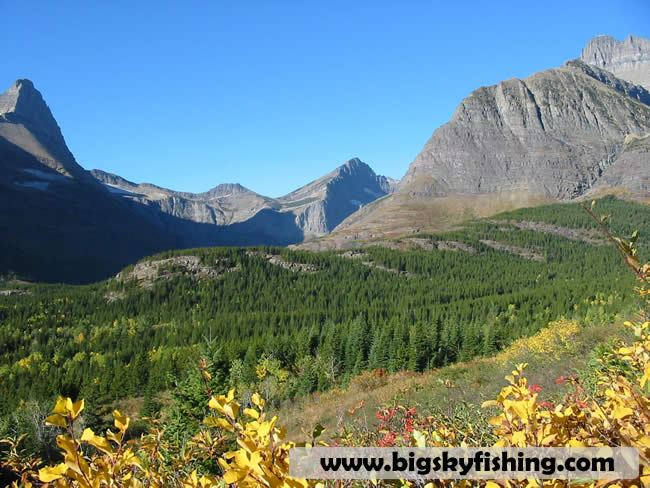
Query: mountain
pixel 550 137
pixel 56 222
pixel 628 60
pixel 26 121
pixel 222 205
pixel 552 134
pixel 323 204
pixel 234 215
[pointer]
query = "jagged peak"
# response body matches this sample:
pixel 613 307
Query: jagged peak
pixel 638 92
pixel 9 99
pixel 607 40
pixel 226 189
pixel 353 162
pixel 353 166
pixel 23 99
pixel 22 104
pixel 219 190
pixel 601 40
pixel 603 49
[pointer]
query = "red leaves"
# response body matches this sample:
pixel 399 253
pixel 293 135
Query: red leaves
pixel 573 378
pixel 534 388
pixel 397 424
pixel 388 440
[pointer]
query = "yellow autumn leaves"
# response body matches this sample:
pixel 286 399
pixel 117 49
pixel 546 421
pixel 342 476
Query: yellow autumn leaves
pixel 617 414
pixel 262 459
pixel 63 410
pixel 115 464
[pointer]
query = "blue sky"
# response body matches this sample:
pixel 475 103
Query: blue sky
pixel 272 95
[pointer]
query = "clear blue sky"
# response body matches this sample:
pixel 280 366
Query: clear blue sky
pixel 272 95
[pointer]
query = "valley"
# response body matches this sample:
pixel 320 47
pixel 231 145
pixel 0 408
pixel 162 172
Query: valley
pixel 413 308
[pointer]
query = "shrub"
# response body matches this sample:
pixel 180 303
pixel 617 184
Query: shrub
pixel 369 380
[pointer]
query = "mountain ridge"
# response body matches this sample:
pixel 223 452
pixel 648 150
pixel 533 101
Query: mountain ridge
pixel 317 207
pixel 27 121
pixel 56 214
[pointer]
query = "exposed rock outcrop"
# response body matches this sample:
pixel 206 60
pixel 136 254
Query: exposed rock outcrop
pixel 630 176
pixel 282 263
pixel 146 273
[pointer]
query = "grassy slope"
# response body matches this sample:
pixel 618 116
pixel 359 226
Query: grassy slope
pixel 473 382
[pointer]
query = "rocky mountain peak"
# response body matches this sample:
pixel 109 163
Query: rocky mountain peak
pixel 355 166
pixel 552 133
pixel 552 136
pixel 23 100
pixel 22 105
pixel 354 163
pixel 628 59
pixel 9 99
pixel 226 189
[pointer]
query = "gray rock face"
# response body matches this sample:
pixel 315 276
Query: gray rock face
pixel 553 133
pixel 630 175
pixel 628 59
pixel 222 205
pixel 388 185
pixel 26 120
pixel 637 92
pixel 324 203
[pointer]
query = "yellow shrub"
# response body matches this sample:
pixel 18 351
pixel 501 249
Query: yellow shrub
pixel 549 342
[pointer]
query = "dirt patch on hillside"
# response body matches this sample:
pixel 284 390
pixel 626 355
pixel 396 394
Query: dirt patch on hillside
pixel 290 265
pixel 366 260
pixel 591 236
pixel 519 251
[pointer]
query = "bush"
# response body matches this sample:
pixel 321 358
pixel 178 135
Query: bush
pixel 369 380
